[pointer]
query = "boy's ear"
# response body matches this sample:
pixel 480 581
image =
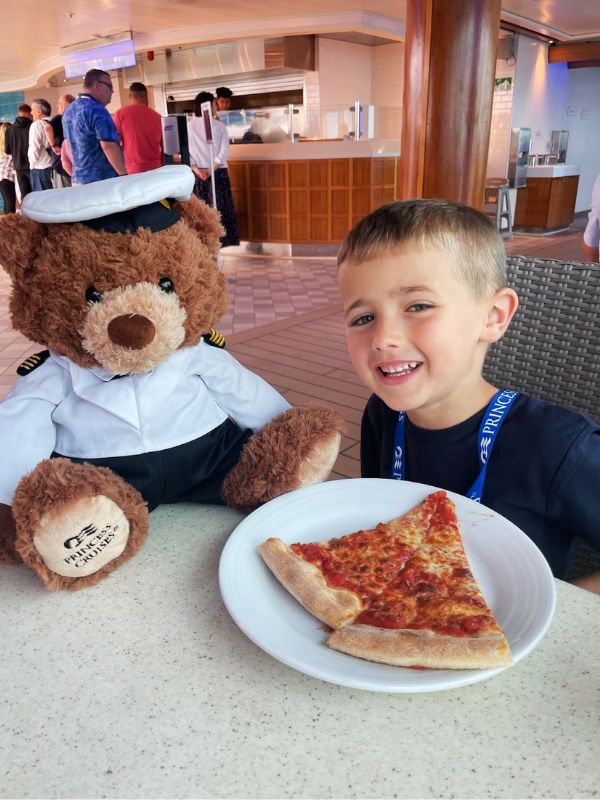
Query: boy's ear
pixel 501 310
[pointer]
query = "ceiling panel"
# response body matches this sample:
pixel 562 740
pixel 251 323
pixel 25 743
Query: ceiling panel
pixel 563 19
pixel 33 31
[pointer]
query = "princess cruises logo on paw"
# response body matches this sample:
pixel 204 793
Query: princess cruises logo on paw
pixel 89 543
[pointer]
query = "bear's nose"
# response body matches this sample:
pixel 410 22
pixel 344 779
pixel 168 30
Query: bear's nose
pixel 132 331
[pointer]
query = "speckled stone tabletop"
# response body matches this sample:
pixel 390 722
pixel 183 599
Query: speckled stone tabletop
pixel 144 687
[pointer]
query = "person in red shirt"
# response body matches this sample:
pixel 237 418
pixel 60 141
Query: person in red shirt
pixel 139 127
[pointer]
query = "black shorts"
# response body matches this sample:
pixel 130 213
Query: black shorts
pixel 189 473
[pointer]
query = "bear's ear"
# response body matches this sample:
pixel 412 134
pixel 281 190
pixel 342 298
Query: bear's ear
pixel 19 242
pixel 203 220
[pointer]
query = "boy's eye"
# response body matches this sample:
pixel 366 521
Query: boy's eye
pixel 419 307
pixel 362 320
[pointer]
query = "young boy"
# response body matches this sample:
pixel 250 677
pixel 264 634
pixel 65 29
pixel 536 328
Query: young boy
pixel 423 285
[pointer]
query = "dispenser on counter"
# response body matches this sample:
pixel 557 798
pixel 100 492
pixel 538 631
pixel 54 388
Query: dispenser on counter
pixel 520 143
pixel 558 145
pixel 364 121
pixel 175 139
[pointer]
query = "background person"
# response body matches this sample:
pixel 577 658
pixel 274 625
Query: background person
pixel 200 160
pixel 7 173
pixel 17 145
pixel 591 235
pixel 66 160
pixel 93 139
pixel 140 129
pixel 223 100
pixel 60 177
pixel 41 139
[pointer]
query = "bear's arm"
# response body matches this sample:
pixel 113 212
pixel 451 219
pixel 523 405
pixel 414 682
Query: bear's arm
pixel 249 400
pixel 27 433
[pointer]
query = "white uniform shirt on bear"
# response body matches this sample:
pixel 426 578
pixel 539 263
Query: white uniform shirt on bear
pixel 89 413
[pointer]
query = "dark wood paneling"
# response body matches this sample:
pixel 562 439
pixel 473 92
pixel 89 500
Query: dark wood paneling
pixel 339 228
pixel 340 172
pixel 361 172
pixel 361 201
pixel 309 200
pixel 546 203
pixel 319 230
pixel 299 228
pixel 532 203
pixel 259 202
pixel 340 201
pixel 278 230
pixel 319 171
pixel 299 204
pixel 276 172
pixel 562 201
pixel 257 174
pixel 577 51
pixel 277 201
pixel 319 202
pixel 299 173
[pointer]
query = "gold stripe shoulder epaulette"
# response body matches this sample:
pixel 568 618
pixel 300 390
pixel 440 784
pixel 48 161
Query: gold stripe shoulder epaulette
pixel 214 338
pixel 32 362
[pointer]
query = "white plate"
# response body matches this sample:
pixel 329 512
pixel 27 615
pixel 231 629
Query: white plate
pixel 511 571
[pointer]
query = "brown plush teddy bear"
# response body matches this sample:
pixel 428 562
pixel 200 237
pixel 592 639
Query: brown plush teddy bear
pixel 134 403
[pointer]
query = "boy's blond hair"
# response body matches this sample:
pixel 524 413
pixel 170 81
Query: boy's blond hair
pixel 467 236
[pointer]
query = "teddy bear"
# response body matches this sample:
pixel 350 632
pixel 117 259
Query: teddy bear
pixel 135 402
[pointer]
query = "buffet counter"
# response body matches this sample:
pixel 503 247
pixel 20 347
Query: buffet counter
pixel 547 203
pixel 310 191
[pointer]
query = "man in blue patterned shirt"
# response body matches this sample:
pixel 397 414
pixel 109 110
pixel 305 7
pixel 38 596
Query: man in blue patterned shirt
pixel 93 140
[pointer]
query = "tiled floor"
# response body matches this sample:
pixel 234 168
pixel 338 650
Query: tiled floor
pixel 285 324
pixel 264 290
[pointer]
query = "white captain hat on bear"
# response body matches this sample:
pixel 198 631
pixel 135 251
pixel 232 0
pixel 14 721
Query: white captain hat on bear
pixel 111 196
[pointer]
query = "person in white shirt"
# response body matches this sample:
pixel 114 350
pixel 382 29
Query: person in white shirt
pixel 591 235
pixel 202 153
pixel 7 173
pixel 41 140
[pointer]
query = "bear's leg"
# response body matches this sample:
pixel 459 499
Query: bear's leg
pixel 297 448
pixel 8 554
pixel 76 522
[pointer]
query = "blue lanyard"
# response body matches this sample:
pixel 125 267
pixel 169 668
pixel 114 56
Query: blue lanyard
pixel 494 416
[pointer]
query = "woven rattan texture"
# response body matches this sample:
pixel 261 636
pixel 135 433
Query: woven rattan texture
pixel 552 347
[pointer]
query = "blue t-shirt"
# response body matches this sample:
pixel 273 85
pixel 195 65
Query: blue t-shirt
pixel 543 473
pixel 86 123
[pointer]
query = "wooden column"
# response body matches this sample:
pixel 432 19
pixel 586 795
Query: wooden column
pixel 449 73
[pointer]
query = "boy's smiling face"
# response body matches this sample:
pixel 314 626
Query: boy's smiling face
pixel 417 335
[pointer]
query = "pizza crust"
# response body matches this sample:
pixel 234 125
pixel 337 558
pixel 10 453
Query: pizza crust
pixel 431 531
pixel 335 607
pixel 407 648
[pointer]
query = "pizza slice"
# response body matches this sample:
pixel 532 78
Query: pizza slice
pixel 401 593
pixel 433 613
pixel 338 579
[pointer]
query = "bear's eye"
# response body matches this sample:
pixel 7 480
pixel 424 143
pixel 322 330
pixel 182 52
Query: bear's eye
pixel 92 295
pixel 166 284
